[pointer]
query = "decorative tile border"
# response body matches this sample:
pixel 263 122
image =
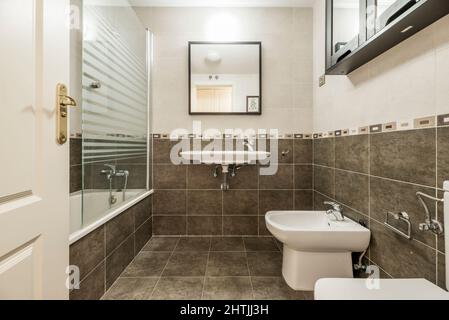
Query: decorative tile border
pixel 401 125
pixel 443 120
pixel 288 136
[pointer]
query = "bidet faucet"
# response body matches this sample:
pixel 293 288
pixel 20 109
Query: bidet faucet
pixel 336 211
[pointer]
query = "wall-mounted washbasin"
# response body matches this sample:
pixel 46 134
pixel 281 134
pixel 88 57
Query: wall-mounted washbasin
pixel 225 158
pixel 230 161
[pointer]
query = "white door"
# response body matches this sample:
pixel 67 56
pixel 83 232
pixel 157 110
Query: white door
pixel 34 172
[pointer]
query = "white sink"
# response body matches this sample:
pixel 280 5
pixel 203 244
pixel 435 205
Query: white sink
pixel 316 246
pixel 225 158
pixel 315 231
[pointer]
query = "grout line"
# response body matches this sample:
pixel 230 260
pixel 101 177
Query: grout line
pixel 249 272
pixel 436 204
pixel 162 272
pixel 205 272
pixel 379 177
pixel 134 258
pixel 368 252
pixel 105 259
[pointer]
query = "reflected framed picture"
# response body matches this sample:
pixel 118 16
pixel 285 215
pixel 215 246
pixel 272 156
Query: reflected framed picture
pixel 253 104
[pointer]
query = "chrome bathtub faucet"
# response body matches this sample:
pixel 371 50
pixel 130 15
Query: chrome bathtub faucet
pixel 110 173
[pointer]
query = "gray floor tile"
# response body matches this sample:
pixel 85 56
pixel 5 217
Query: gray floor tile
pixel 227 264
pixel 178 289
pixel 227 244
pixel 193 244
pixel 147 264
pixel 228 288
pixel 274 288
pixel 260 244
pixel 131 289
pixel 161 244
pixel 265 264
pixel 186 264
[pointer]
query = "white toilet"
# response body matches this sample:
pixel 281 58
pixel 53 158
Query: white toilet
pixel 388 289
pixel 316 245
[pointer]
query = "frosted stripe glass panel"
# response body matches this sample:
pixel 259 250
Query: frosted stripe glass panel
pixel 115 113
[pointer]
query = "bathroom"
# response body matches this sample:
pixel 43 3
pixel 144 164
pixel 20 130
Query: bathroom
pixel 225 150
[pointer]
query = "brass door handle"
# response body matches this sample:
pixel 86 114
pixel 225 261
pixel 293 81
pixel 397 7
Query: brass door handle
pixel 62 102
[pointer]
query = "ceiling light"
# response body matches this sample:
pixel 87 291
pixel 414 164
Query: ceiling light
pixel 213 57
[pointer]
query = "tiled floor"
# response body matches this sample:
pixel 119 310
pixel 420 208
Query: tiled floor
pixel 206 268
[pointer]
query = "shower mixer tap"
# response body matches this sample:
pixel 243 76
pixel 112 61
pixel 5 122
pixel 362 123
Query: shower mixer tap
pixel 112 172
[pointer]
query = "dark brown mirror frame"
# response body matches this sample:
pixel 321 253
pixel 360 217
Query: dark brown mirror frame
pixel 225 113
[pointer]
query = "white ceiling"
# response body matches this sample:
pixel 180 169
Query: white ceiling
pixel 222 3
pixel 235 59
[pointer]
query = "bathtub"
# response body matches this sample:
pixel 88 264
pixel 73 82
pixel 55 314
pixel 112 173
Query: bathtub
pixel 97 210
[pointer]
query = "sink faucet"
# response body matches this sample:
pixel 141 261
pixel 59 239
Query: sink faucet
pixel 248 144
pixel 336 211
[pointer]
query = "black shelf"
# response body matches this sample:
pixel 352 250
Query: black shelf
pixel 420 16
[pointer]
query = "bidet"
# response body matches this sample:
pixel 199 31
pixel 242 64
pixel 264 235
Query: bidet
pixel 316 245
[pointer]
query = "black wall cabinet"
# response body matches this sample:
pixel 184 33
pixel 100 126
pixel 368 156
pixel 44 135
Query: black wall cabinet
pixel 357 31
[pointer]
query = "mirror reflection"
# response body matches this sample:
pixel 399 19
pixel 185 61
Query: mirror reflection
pixel 389 10
pixel 346 24
pixel 225 78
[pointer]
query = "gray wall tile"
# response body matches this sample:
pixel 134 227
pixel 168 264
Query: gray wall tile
pixel 324 152
pixel 204 202
pixel 352 153
pixel 303 176
pixel 352 189
pixel 169 202
pixel 400 257
pixel 93 287
pixel 240 202
pixel 88 252
pixel 169 225
pixel 202 177
pixel 270 200
pixel 324 180
pixel 119 260
pixel 387 195
pixel 283 179
pixel 443 156
pixel 238 225
pixel 303 200
pixel 204 225
pixel 303 151
pixel 169 176
pixel 247 178
pixel 407 156
pixel 118 229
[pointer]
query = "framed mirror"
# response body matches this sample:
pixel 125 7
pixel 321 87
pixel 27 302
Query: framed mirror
pixel 225 78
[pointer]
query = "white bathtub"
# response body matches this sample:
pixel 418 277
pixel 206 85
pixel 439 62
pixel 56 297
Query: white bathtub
pixel 96 209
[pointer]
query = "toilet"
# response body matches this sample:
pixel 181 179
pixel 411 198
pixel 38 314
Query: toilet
pixel 387 289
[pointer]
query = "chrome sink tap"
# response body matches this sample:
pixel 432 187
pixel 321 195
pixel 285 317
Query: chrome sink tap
pixel 336 211
pixel 248 144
